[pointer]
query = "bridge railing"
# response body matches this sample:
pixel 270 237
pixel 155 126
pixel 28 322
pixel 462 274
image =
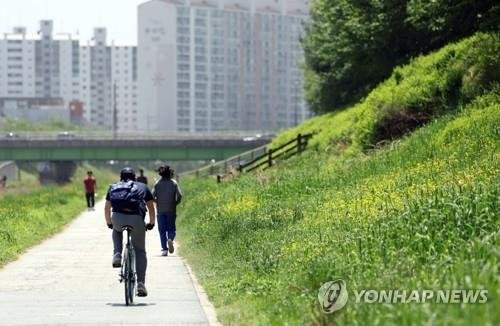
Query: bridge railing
pixel 106 135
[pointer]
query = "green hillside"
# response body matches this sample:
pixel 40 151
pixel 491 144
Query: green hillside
pixel 400 191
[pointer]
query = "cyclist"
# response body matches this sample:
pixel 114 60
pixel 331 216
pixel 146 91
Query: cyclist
pixel 127 200
pixel 167 195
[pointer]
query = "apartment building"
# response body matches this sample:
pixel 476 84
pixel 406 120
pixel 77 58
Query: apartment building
pixel 45 69
pixel 124 80
pixel 97 81
pixel 17 68
pixel 200 66
pixel 217 65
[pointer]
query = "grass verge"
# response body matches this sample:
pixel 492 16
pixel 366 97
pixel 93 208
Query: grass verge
pixel 30 217
pixel 420 212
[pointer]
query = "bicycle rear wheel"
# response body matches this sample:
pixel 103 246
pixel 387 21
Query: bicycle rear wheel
pixel 126 275
pixel 131 278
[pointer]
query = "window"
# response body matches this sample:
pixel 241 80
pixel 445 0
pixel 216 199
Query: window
pixel 183 67
pixel 183 85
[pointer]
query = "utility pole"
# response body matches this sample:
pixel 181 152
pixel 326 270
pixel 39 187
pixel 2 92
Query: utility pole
pixel 296 87
pixel 115 113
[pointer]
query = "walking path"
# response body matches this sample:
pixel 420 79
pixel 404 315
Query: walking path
pixel 68 280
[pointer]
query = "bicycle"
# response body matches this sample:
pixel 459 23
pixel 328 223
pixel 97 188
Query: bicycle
pixel 128 273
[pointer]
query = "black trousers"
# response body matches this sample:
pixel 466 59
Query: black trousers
pixel 90 199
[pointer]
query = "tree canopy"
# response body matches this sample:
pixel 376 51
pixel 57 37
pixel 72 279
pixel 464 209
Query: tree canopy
pixel 352 45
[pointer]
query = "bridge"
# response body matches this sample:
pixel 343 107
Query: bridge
pixel 173 148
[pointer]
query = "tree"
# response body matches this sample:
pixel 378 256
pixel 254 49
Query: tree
pixel 352 45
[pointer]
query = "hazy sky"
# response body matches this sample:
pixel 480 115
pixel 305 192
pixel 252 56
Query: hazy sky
pixel 70 16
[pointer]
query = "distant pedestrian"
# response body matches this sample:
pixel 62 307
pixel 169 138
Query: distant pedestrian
pixel 3 181
pixel 142 178
pixel 167 195
pixel 90 184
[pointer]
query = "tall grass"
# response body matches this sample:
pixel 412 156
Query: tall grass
pixel 29 217
pixel 428 87
pixel 418 213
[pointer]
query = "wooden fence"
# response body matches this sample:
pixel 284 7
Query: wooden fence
pixel 228 165
pixel 261 157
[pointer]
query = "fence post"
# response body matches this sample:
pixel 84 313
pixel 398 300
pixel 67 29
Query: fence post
pixel 270 157
pixel 299 143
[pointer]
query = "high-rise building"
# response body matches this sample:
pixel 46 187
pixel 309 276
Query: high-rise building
pixel 99 81
pixel 40 67
pixel 17 67
pixel 124 80
pixel 54 63
pixel 213 65
pixel 47 71
pixel 200 66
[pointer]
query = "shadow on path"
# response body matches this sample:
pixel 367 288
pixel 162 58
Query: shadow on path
pixel 132 305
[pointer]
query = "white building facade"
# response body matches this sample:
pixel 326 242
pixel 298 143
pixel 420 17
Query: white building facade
pixel 220 65
pixel 57 72
pixel 124 75
pixel 200 66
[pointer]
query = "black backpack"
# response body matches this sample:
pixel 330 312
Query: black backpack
pixel 125 197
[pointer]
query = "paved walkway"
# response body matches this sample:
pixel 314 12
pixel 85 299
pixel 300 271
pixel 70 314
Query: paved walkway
pixel 68 279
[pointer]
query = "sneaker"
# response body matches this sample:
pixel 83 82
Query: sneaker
pixel 164 253
pixel 141 290
pixel 117 260
pixel 170 246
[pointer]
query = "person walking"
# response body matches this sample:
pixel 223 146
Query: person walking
pixel 142 178
pixel 167 195
pixel 126 203
pixel 90 184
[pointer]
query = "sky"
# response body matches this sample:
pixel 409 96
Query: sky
pixel 72 16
